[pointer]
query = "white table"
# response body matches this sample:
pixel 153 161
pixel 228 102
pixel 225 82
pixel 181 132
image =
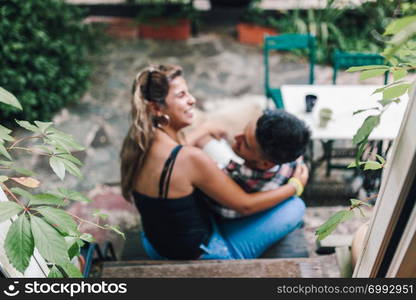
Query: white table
pixel 343 100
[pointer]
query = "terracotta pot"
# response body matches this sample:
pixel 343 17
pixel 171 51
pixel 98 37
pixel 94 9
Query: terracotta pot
pixel 160 29
pixel 123 28
pixel 253 34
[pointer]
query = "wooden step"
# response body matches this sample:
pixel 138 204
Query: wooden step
pixel 293 245
pixel 250 268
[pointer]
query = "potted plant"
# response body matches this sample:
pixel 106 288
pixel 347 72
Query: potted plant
pixel 255 25
pixel 166 21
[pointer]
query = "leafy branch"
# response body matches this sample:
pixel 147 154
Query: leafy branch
pixel 38 220
pixel 400 47
pixel 339 217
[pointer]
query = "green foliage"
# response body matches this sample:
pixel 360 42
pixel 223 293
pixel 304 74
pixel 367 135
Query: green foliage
pixel 55 273
pixel 8 210
pixel 38 220
pixel 10 99
pixel 48 241
pixel 171 10
pixel 254 14
pixel 366 128
pixel 44 47
pixel 400 46
pixel 19 243
pixel 345 28
pixel 331 224
pixel 59 219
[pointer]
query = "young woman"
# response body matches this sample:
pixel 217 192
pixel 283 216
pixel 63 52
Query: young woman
pixel 165 179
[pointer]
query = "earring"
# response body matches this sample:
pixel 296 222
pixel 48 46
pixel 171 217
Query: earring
pixel 162 121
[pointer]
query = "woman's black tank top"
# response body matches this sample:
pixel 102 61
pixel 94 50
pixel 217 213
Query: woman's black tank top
pixel 175 227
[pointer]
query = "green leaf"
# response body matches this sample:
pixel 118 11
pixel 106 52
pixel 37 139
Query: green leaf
pixel 399 24
pixel 4 134
pixel 74 248
pixel 4 152
pixel 366 128
pixel 70 158
pixel 19 244
pixel 399 74
pixel 3 178
pixel 115 229
pixel 9 209
pixel 372 165
pixel 28 126
pixel 43 126
pixel 386 102
pixel 87 237
pixel 371 73
pixel 5 130
pixel 10 99
pixel 379 90
pixel 49 242
pixel 354 164
pixel 369 67
pixel 72 168
pixel 363 110
pixel 355 202
pixel 395 91
pixel 25 194
pixel 24 171
pixel 63 140
pixel 71 271
pixel 381 159
pixel 55 273
pixel 59 219
pixel 361 148
pixel 47 199
pixel 57 166
pixel 331 224
pixel 388 86
pixel 73 195
pixel 45 149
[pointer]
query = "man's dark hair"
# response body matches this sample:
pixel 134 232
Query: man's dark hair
pixel 282 136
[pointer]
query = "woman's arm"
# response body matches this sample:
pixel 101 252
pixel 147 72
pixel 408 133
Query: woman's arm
pixel 206 129
pixel 206 176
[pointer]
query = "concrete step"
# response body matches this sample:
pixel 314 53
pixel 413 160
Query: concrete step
pixel 250 268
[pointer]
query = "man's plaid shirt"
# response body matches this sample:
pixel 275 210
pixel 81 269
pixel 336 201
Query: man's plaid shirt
pixel 252 181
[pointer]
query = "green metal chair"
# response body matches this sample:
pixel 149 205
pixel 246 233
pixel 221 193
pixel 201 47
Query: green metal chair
pixel 286 42
pixel 344 60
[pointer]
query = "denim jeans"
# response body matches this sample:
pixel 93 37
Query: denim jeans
pixel 247 237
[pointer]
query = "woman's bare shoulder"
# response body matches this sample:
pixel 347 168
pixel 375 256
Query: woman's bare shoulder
pixel 196 156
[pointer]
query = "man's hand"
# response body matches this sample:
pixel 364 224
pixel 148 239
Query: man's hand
pixel 301 173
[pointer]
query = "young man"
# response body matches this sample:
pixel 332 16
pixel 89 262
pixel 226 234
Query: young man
pixel 263 157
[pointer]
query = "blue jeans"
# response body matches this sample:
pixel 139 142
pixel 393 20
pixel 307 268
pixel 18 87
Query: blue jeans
pixel 247 237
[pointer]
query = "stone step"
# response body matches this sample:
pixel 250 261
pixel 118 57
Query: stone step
pixel 293 245
pixel 250 268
